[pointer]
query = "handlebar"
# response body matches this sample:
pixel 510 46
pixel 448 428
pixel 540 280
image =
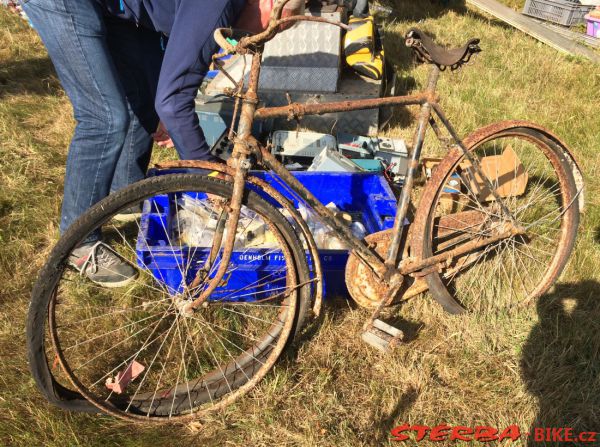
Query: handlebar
pixel 222 40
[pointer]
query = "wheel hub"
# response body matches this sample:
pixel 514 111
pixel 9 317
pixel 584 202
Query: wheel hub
pixel 183 306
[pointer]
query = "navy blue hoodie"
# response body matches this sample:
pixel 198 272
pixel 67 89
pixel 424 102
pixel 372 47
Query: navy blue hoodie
pixel 188 27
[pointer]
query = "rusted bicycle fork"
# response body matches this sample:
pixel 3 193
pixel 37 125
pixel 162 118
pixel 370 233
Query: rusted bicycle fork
pixel 240 163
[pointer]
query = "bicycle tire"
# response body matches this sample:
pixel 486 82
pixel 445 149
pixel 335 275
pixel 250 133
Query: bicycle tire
pixel 43 295
pixel 445 287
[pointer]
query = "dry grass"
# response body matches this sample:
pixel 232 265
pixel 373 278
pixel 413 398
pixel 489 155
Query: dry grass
pixel 537 366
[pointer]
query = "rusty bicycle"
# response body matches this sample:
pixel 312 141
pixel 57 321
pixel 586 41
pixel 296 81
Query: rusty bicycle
pixel 193 331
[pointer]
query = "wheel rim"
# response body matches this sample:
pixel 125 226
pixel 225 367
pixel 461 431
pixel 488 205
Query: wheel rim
pixel 248 324
pixel 516 269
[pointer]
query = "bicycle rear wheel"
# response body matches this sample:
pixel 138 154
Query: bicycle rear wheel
pixel 531 173
pixel 129 350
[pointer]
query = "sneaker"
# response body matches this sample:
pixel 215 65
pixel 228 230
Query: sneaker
pixel 129 214
pixel 102 265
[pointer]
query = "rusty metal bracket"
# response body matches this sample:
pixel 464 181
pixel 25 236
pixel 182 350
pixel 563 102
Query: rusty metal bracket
pixel 410 265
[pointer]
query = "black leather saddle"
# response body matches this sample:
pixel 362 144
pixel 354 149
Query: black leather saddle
pixel 427 51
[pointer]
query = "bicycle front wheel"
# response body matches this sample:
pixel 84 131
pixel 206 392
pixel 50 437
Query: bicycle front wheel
pixel 530 172
pixel 126 345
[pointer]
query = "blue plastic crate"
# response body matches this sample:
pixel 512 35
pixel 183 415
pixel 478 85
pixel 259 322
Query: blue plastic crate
pixel 366 195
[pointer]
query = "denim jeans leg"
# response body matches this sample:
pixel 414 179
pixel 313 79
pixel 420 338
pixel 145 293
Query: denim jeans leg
pixel 137 55
pixel 74 34
pixel 135 156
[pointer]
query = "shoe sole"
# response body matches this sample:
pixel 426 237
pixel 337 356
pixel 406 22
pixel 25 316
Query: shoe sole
pixel 113 284
pixel 126 218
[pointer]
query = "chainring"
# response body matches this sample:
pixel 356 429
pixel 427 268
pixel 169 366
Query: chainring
pixel 363 285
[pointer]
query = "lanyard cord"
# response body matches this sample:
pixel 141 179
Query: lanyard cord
pixel 123 4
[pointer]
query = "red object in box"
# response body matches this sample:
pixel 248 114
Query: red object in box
pixel 255 16
pixel 593 26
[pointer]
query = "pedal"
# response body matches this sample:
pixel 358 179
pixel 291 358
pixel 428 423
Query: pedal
pixel 382 336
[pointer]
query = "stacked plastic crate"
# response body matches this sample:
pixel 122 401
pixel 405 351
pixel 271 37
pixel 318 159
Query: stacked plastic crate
pixel 563 12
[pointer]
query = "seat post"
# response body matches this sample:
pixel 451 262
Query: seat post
pixel 434 75
pixel 398 238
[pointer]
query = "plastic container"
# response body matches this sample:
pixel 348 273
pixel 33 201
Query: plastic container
pixel 215 115
pixel 365 196
pixel 368 165
pixel 563 12
pixel 593 26
pixel 301 144
pixel 330 160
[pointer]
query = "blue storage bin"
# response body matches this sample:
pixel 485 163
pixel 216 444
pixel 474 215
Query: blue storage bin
pixel 367 195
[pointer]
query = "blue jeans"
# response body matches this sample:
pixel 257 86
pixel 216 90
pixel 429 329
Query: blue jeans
pixel 109 69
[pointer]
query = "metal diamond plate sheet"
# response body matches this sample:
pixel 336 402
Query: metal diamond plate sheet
pixel 352 86
pixel 305 57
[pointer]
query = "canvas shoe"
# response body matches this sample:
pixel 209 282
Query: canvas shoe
pixel 102 265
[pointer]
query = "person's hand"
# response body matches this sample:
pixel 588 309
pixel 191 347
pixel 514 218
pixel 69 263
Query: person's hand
pixel 161 137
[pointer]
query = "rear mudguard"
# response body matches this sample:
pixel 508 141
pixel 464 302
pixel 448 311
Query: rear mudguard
pixel 477 137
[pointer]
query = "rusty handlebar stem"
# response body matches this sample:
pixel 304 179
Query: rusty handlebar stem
pixel 263 36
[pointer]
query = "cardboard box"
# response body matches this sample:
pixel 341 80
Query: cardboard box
pixel 505 170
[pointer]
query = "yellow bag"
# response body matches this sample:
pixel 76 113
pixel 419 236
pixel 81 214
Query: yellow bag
pixel 360 49
pixel 360 39
pixel 365 65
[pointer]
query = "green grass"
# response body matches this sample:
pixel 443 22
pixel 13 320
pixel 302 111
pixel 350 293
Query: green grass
pixel 538 366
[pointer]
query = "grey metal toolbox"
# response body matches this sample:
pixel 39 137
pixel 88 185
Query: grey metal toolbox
pixel 305 57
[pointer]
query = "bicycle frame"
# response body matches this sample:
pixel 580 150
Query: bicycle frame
pixel 427 100
pixel 389 269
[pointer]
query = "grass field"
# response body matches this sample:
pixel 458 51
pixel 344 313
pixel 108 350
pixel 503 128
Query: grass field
pixel 534 367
